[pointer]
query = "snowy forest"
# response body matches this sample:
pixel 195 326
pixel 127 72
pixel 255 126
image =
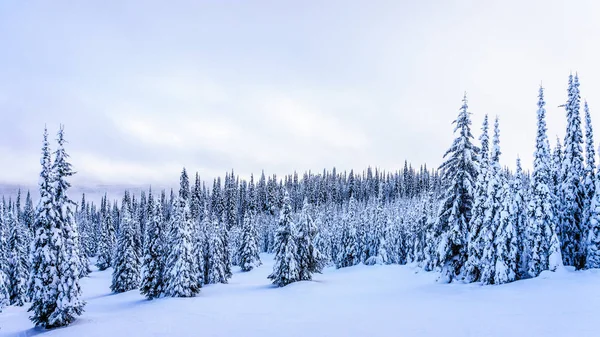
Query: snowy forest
pixel 470 221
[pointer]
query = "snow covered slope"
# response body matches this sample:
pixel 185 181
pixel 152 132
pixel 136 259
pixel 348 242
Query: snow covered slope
pixel 357 301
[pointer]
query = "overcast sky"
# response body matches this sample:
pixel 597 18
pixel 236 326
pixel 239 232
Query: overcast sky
pixel 147 87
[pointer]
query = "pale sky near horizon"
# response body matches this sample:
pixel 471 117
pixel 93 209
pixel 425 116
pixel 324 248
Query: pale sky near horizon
pixel 147 87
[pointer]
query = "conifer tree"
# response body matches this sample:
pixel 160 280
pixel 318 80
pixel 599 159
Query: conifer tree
pixel 55 273
pixel 377 243
pixel 491 219
pixel 347 254
pixel 475 241
pixel 572 175
pixel 519 213
pixel 106 244
pixel 42 285
pixel 248 253
pixel 125 275
pixel 18 273
pixel 72 263
pixel 541 230
pixel 506 243
pixel 152 284
pixel 593 238
pixel 181 267
pixel 589 178
pixel 217 272
pixel 4 295
pixel 459 173
pixel 286 266
pixel 310 260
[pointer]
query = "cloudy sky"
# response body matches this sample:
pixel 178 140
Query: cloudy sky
pixel 147 87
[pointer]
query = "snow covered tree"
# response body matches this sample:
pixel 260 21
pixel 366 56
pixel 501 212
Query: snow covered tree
pixel 310 260
pixel 286 267
pixel 217 270
pixel 491 219
pixel 572 176
pixel 54 285
pixel 18 273
pixel 589 178
pixel 181 268
pixel 248 252
pixel 72 263
pixel 106 244
pixel 125 275
pixel 475 242
pixel 152 284
pixel 519 216
pixel 43 287
pixel 459 172
pixel 506 267
pixel 4 295
pixel 347 249
pixel 541 230
pixel 377 242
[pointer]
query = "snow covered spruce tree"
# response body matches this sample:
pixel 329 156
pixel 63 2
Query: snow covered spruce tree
pixel 106 244
pixel 217 271
pixel 543 248
pixel 347 251
pixel 54 285
pixel 475 243
pixel 589 179
pixel 286 267
pixel 458 173
pixel 506 267
pixel 152 284
pixel 43 289
pixel 377 242
pixel 248 253
pixel 310 260
pixel 126 272
pixel 572 175
pixel 73 264
pixel 491 219
pixel 4 295
pixel 18 273
pixel 519 213
pixel 593 236
pixel 181 266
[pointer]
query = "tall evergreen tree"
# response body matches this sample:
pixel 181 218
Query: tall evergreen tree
pixel 475 241
pixel 589 178
pixel 18 272
pixel 125 275
pixel 106 244
pixel 593 238
pixel 4 295
pixel 286 266
pixel 459 174
pixel 54 284
pixel 44 273
pixel 491 219
pixel 72 262
pixel 572 175
pixel 181 266
pixel 248 253
pixel 506 267
pixel 217 272
pixel 310 260
pixel 347 252
pixel 519 216
pixel 541 233
pixel 152 284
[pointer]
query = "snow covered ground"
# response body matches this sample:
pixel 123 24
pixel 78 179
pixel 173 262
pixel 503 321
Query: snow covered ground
pixel 358 301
